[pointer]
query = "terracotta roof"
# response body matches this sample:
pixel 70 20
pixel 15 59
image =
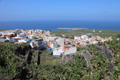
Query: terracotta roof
pixel 66 47
pixel 20 42
pixel 27 34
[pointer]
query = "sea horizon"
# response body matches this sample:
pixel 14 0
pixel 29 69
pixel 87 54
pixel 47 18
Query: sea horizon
pixel 53 25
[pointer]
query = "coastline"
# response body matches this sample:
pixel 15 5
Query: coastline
pixel 71 28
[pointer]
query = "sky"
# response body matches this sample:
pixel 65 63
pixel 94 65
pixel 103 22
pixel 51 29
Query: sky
pixel 25 10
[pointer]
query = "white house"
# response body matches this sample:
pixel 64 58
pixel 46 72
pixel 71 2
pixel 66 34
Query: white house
pixel 57 51
pixel 70 50
pixel 76 38
pixel 60 41
pixel 66 49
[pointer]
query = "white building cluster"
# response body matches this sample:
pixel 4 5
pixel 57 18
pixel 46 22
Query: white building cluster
pixel 85 40
pixel 41 39
pixel 38 39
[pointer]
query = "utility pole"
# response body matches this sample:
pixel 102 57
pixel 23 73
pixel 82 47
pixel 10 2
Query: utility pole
pixel 38 54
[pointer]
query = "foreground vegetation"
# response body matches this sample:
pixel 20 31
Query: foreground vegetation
pixel 14 66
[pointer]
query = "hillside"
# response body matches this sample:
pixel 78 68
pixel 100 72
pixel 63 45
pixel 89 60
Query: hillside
pixel 103 33
pixel 13 67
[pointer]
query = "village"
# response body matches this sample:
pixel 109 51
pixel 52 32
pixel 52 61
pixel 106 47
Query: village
pixel 44 40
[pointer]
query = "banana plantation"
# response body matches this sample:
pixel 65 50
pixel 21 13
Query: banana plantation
pixel 104 64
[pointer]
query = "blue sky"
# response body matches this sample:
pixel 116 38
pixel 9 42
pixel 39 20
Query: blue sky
pixel 20 10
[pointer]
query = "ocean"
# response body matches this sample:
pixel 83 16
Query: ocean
pixel 53 25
